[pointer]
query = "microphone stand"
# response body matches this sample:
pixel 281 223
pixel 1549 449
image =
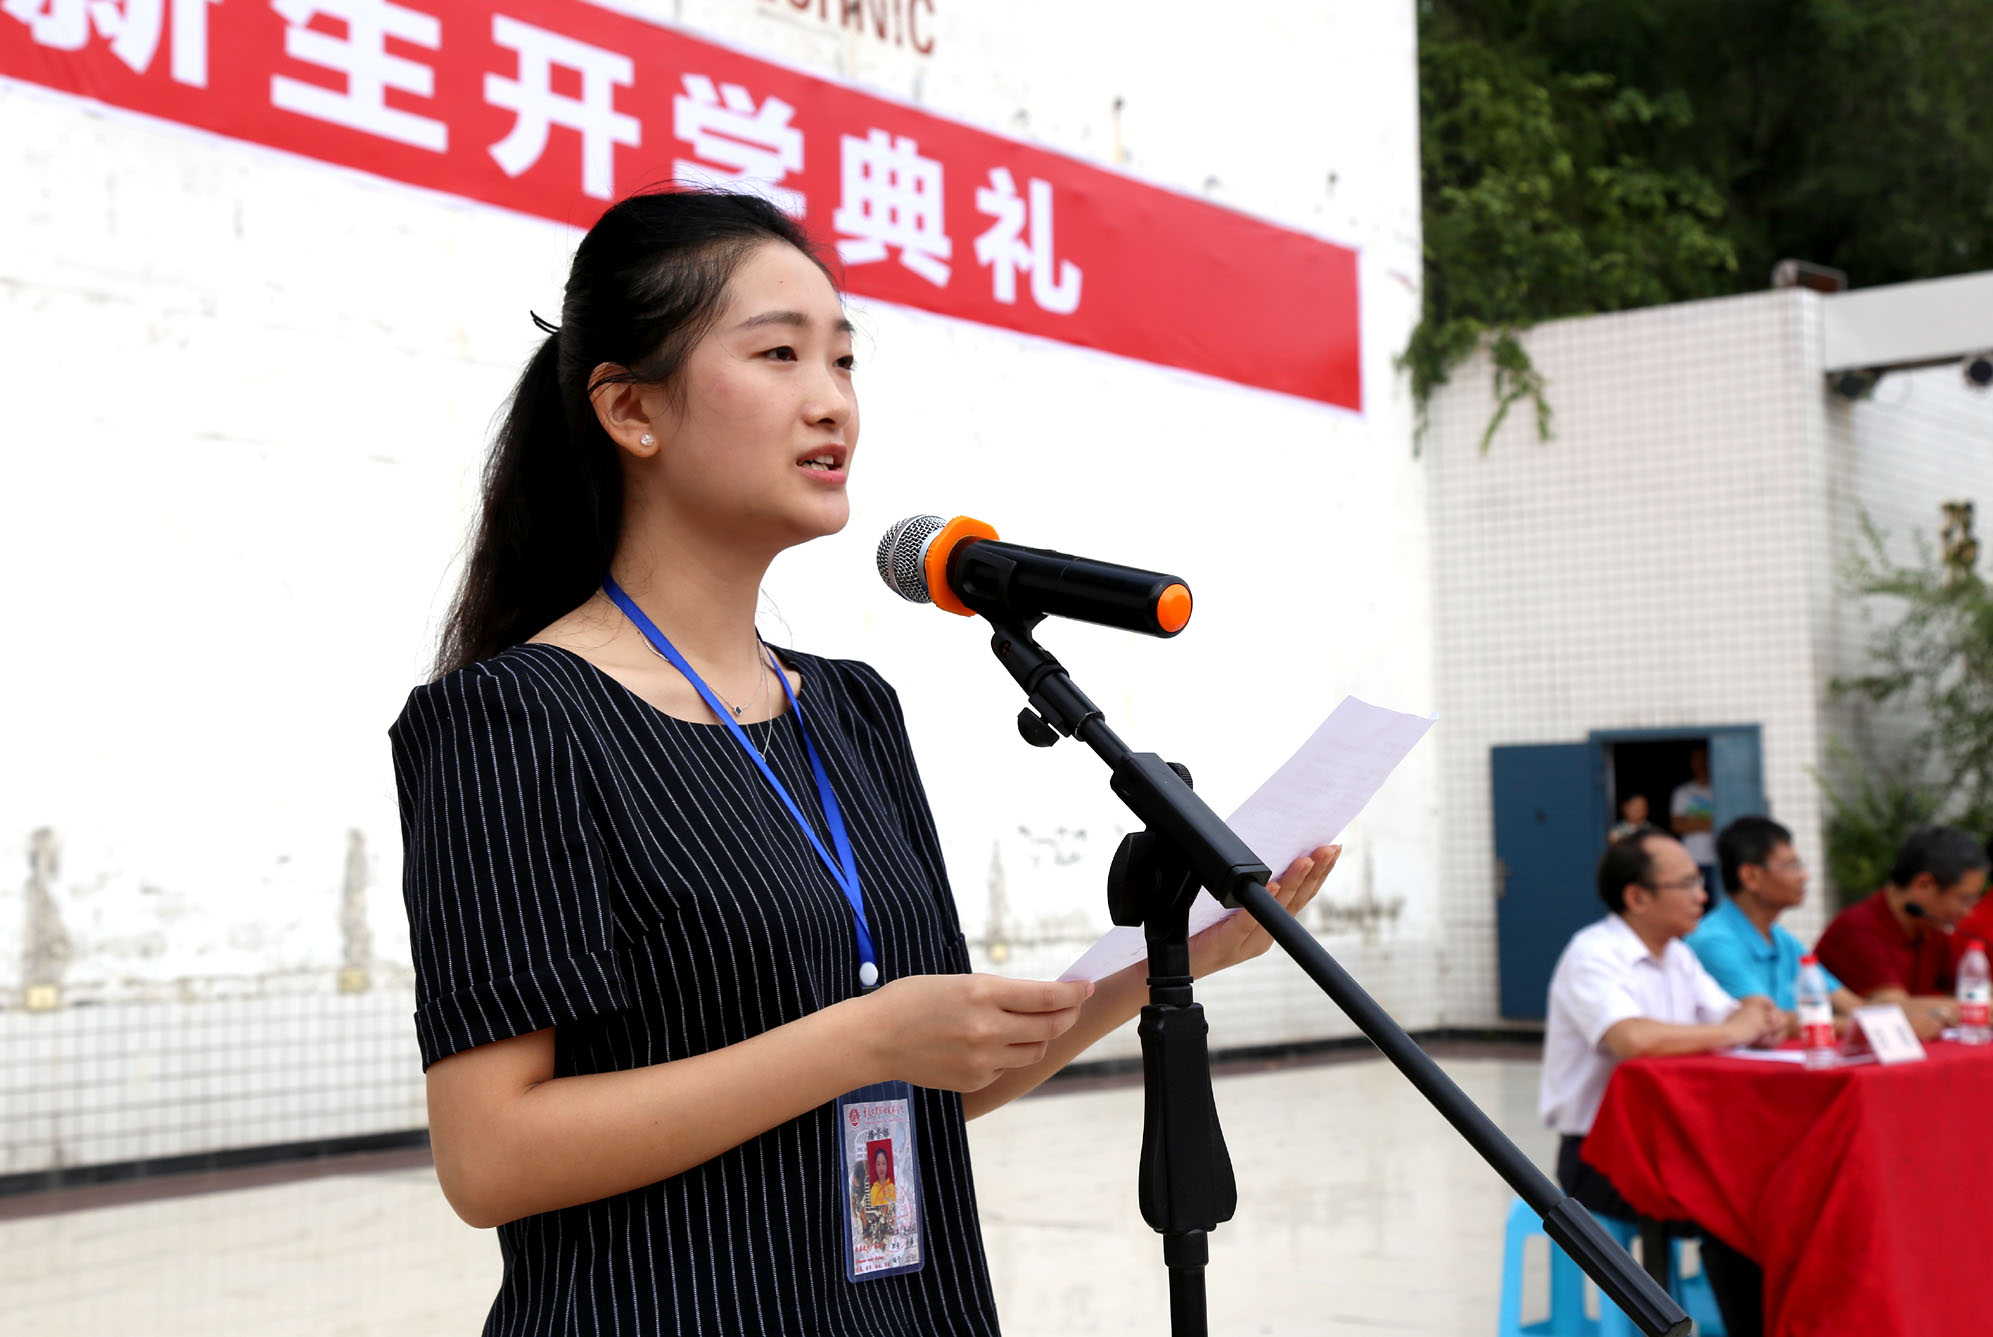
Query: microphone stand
pixel 1186 1186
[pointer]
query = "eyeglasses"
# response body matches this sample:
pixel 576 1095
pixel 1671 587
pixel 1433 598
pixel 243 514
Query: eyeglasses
pixel 1689 883
pixel 1793 865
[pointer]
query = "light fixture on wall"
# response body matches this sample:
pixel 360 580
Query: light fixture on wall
pixel 1978 370
pixel 1854 383
pixel 1806 274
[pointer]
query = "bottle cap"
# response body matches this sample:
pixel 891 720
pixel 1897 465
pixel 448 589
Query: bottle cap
pixel 1809 960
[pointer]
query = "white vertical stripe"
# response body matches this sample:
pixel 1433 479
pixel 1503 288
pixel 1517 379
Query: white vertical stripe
pixel 578 859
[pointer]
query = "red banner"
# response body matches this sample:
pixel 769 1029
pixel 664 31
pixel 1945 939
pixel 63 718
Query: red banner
pixel 553 108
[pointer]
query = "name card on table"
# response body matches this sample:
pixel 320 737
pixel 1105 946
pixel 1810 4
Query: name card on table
pixel 1882 1030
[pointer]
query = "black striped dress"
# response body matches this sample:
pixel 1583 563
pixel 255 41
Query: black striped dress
pixel 578 859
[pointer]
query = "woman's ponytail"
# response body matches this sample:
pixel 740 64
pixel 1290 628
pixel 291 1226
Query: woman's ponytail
pixel 550 520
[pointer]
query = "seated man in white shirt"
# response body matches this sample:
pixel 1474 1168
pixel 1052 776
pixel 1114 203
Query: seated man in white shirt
pixel 1628 987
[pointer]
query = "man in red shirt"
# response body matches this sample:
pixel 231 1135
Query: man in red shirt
pixel 1978 924
pixel 1895 945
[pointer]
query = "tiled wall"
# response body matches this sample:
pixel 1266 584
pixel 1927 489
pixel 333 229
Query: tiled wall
pixel 1674 557
pixel 292 1062
pixel 1649 567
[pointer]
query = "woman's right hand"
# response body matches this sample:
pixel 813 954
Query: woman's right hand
pixel 962 1032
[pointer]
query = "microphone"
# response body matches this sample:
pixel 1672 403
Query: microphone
pixel 960 565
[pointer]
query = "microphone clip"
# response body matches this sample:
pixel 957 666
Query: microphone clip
pixel 1055 708
pixel 1034 729
pixel 1012 642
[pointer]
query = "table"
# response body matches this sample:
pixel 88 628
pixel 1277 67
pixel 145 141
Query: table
pixel 1862 1190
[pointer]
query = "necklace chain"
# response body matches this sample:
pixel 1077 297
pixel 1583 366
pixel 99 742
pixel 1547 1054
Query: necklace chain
pixel 760 691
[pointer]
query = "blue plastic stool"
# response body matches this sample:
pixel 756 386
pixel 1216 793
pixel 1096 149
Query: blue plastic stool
pixel 1568 1286
pixel 1693 1294
pixel 1567 1316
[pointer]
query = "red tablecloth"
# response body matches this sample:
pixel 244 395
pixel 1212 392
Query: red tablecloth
pixel 1862 1191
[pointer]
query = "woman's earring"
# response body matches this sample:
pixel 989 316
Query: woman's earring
pixel 648 440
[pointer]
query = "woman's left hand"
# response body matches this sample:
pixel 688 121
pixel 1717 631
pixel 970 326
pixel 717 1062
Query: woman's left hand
pixel 1240 938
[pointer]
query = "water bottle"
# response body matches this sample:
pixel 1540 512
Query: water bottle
pixel 1975 993
pixel 1816 1015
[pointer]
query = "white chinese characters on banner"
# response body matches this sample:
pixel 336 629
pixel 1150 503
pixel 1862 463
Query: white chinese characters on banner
pixel 734 143
pixel 132 27
pixel 361 55
pixel 1004 251
pixel 891 198
pixel 531 98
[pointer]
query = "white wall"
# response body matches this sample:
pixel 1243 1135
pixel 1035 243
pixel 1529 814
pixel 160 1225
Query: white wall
pixel 248 396
pixel 1651 567
pixel 1673 558
pixel 1920 439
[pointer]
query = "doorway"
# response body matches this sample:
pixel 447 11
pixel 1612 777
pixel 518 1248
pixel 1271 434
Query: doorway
pixel 1554 804
pixel 1695 782
pixel 1649 771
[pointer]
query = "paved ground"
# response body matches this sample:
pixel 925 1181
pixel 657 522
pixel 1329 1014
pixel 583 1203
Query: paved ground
pixel 1360 1212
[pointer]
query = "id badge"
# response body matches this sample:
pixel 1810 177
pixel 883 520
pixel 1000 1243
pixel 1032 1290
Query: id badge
pixel 881 1173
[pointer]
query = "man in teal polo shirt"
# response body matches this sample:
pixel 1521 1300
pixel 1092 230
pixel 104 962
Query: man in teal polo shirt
pixel 1740 942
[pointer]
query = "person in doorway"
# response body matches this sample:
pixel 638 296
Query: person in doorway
pixel 1740 942
pixel 1632 817
pixel 1692 816
pixel 1894 946
pixel 1627 987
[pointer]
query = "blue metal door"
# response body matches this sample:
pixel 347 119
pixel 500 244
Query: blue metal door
pixel 1550 828
pixel 1736 774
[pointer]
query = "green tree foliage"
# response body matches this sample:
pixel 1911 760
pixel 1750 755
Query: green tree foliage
pixel 1592 155
pixel 1934 653
pixel 1869 811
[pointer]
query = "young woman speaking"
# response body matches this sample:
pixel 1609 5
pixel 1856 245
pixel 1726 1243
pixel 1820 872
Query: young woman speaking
pixel 688 968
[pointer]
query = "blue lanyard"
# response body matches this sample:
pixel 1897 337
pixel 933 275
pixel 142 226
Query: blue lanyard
pixel 844 869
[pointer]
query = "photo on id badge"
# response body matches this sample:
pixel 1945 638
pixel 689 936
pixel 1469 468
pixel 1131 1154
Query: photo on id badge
pixel 881 1185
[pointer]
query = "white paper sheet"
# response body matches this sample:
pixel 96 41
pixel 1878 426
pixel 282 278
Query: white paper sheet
pixel 1794 1056
pixel 1768 1055
pixel 1307 802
